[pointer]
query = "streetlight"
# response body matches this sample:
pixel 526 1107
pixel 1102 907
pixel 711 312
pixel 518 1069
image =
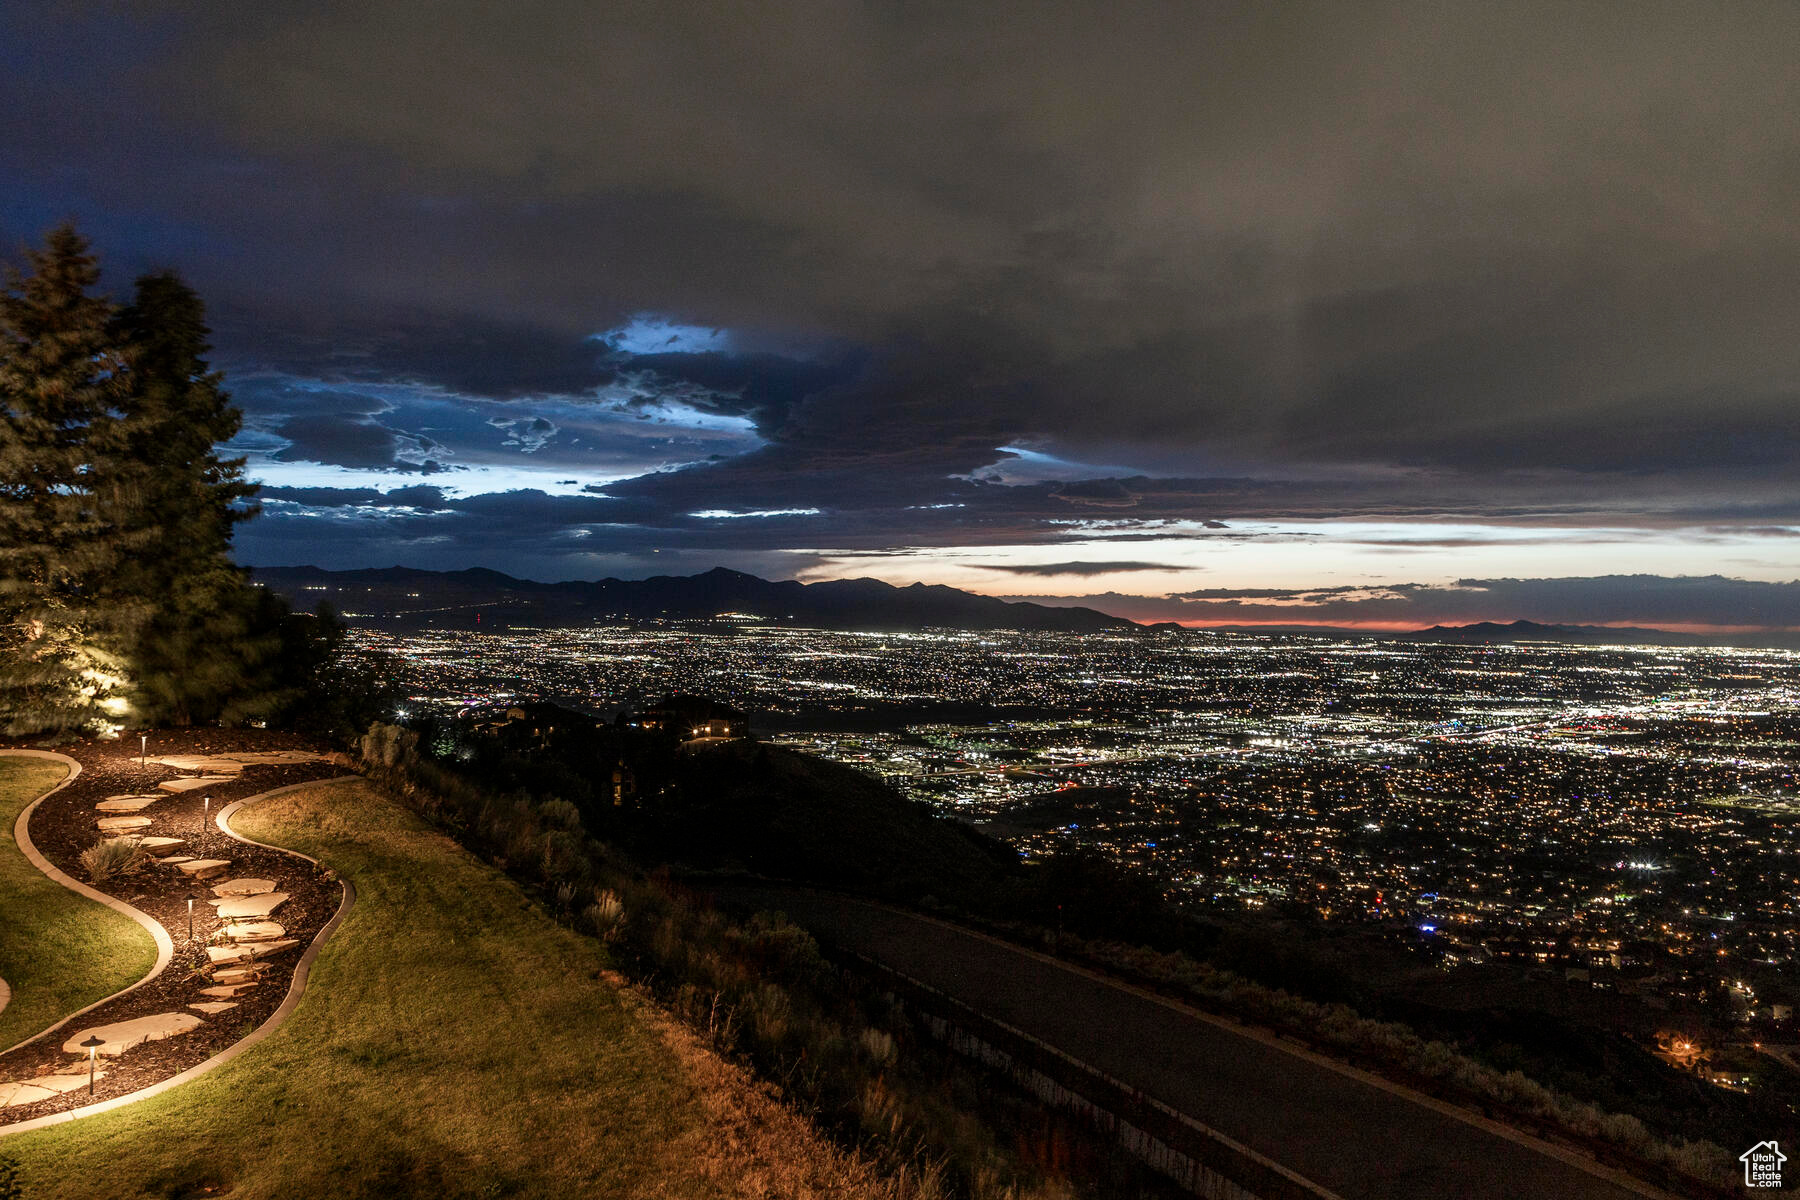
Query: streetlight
pixel 92 1046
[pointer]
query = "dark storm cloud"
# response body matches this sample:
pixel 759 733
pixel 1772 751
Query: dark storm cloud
pixel 1530 263
pixel 419 496
pixel 763 387
pixel 1079 568
pixel 1473 237
pixel 351 442
pixel 470 355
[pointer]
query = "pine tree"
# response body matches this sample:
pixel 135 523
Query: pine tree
pixel 119 599
pixel 210 644
pixel 63 623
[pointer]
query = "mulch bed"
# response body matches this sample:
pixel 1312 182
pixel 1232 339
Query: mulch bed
pixel 64 825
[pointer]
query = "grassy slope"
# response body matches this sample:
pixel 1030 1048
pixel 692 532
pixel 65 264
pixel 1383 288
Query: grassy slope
pixel 58 950
pixel 452 1042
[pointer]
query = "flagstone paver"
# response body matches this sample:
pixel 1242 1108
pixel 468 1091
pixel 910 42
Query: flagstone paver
pixel 243 887
pixel 254 931
pixel 213 1008
pixel 204 764
pixel 123 1035
pixel 221 764
pixel 123 806
pixel 248 952
pixel 247 972
pixel 43 1087
pixel 251 908
pixel 188 785
pixel 161 845
pixel 226 991
pixel 202 868
pixel 122 824
pixel 278 757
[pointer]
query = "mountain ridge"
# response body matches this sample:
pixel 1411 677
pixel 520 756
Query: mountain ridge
pixel 390 595
pixel 1523 630
pixel 847 604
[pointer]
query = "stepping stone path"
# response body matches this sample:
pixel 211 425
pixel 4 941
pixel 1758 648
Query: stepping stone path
pixel 233 968
pixel 188 785
pixel 123 1035
pixel 43 1087
pixel 251 908
pixel 125 804
pixel 243 887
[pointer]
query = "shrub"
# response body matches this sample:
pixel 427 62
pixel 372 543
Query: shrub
pixel 113 856
pixel 770 1013
pixel 560 814
pixel 389 745
pixel 878 1045
pixel 560 856
pixel 606 914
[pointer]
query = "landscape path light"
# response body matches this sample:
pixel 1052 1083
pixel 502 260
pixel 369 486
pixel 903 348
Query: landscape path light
pixel 194 893
pixel 143 750
pixel 92 1046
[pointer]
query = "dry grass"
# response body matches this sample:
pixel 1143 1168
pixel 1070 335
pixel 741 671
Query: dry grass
pixel 755 1146
pixel 454 1042
pixel 59 951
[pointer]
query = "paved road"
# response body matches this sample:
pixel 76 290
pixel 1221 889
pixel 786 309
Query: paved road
pixel 1349 1135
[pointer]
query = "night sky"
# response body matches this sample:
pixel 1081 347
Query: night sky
pixel 1301 313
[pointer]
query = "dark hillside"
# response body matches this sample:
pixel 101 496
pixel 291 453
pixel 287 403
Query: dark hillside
pixel 775 812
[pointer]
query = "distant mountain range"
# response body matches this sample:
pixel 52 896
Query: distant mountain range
pixel 1533 631
pixel 404 598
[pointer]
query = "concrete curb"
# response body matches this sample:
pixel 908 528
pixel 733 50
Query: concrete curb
pixel 165 948
pixel 288 1004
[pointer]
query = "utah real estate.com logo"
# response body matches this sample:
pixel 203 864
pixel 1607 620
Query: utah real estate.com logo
pixel 1762 1165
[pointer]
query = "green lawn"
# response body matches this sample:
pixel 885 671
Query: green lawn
pixel 453 1041
pixel 59 951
